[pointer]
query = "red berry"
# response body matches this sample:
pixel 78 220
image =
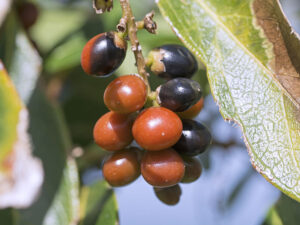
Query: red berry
pixel 103 54
pixel 122 167
pixel 157 128
pixel 162 168
pixel 193 111
pixel 126 94
pixel 113 131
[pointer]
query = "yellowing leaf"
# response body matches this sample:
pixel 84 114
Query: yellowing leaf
pixel 241 60
pixel 21 175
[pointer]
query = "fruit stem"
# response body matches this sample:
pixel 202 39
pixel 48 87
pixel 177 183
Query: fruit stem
pixel 135 45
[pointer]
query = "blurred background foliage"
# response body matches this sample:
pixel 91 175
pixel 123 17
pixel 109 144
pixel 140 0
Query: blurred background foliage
pixel 64 104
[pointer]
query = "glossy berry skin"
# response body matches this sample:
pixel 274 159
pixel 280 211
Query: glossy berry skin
pixel 157 128
pixel 103 54
pixel 126 94
pixel 193 111
pixel 122 167
pixel 194 140
pixel 193 170
pixel 179 94
pixel 112 131
pixel 162 168
pixel 172 61
pixel 168 195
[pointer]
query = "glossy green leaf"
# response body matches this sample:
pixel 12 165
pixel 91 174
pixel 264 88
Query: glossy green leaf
pixel 98 205
pixel 242 62
pixel 65 207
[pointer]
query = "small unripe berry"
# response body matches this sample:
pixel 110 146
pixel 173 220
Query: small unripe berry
pixel 126 94
pixel 122 167
pixel 172 61
pixel 162 168
pixel 179 94
pixel 157 128
pixel 113 131
pixel 103 54
pixel 194 140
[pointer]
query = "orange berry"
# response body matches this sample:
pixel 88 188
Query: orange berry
pixel 122 167
pixel 126 94
pixel 113 131
pixel 162 168
pixel 192 111
pixel 157 128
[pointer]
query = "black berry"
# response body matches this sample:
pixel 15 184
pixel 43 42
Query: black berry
pixel 179 94
pixel 103 54
pixel 171 61
pixel 168 195
pixel 194 140
pixel 193 169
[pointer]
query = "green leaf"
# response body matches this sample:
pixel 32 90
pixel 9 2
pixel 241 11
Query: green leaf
pixel 273 218
pixel 51 142
pixel 55 24
pixel 67 55
pixel 65 207
pixel 8 217
pixel 288 210
pixel 98 205
pixel 242 62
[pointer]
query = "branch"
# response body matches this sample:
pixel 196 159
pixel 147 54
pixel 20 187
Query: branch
pixel 135 45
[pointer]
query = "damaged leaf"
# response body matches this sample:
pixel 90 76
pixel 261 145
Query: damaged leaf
pixel 252 56
pixel 21 174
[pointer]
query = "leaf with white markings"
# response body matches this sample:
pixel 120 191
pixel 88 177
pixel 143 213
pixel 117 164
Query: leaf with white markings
pixel 21 174
pixel 252 58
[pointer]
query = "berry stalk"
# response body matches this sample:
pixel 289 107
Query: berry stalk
pixel 135 45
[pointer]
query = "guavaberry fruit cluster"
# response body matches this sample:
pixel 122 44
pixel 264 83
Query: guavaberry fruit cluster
pixel 164 130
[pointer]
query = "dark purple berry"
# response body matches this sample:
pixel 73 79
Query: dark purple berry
pixel 172 61
pixel 179 94
pixel 195 138
pixel 103 54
